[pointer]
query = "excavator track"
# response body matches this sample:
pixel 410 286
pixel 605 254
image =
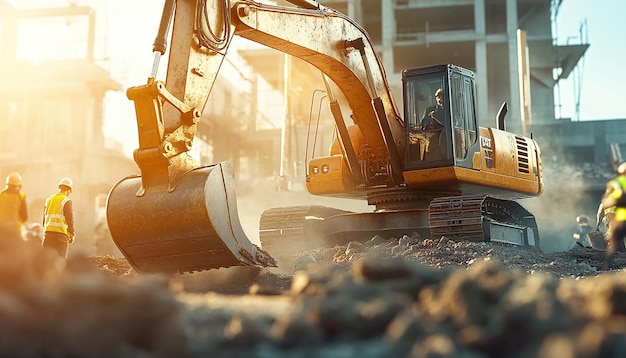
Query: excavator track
pixel 285 231
pixel 288 230
pixel 483 218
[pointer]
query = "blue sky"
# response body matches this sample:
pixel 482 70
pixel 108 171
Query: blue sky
pixel 602 78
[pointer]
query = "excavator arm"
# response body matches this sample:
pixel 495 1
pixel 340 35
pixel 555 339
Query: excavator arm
pixel 168 113
pixel 342 50
pixel 171 218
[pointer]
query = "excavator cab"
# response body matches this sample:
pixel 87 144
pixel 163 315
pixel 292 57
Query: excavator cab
pixel 457 154
pixel 439 111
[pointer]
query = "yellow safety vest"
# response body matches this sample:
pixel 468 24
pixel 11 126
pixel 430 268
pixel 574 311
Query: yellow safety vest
pixel 618 191
pixel 10 203
pixel 54 220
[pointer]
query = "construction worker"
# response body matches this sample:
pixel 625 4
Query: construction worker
pixel 13 211
pixel 58 219
pixel 583 229
pixel 614 203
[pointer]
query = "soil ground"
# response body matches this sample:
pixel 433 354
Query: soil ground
pixel 407 297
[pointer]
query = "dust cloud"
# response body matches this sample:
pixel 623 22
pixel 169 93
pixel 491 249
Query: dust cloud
pixel 254 199
pixel 570 190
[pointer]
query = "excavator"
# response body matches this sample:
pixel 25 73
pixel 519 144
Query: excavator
pixel 455 179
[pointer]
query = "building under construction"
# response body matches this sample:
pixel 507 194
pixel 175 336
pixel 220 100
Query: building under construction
pixel 52 116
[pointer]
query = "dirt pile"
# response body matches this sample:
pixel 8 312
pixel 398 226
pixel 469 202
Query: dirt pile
pixel 404 298
pixel 53 308
pixel 444 253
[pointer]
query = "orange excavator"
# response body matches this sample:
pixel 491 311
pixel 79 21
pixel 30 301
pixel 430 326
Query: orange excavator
pixel 450 177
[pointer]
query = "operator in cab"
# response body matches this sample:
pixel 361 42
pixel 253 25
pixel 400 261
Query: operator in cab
pixel 429 128
pixel 434 115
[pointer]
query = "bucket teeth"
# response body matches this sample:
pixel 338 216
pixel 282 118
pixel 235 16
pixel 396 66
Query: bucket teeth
pixel 259 258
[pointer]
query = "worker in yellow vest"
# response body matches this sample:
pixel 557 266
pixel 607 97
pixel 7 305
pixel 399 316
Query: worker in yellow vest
pixel 58 219
pixel 615 197
pixel 13 211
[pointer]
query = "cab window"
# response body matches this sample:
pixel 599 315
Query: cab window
pixel 427 119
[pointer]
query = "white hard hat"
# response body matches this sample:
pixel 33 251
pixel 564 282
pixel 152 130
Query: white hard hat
pixel 14 179
pixel 67 182
pixel 622 168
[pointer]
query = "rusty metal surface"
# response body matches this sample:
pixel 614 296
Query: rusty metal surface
pixel 195 227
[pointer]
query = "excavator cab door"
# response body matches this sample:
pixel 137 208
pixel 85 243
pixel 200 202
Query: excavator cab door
pixel 463 117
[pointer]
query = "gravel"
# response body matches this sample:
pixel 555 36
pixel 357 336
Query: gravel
pixel 409 297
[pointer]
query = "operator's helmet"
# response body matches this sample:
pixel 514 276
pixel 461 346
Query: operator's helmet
pixel 66 182
pixel 621 169
pixel 582 219
pixel 14 179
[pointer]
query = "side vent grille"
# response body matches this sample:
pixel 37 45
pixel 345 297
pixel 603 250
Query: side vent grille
pixel 523 161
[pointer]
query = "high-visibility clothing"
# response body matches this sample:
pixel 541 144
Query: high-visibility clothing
pixel 617 196
pixel 620 214
pixel 54 219
pixel 12 209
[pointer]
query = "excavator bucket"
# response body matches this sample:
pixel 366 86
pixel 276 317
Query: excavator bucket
pixel 192 227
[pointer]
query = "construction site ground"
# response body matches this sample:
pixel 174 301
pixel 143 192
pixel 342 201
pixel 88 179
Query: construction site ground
pixel 408 297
